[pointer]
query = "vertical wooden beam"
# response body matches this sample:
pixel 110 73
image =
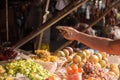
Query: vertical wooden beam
pixel 39 37
pixel 7 30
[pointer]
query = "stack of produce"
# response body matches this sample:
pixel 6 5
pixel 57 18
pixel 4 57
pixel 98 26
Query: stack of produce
pixel 89 60
pixel 44 56
pixel 27 68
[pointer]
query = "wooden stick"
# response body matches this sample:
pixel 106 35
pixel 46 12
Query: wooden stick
pixel 7 30
pixel 49 23
pixel 39 37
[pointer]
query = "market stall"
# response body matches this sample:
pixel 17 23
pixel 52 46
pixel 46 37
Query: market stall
pixel 66 63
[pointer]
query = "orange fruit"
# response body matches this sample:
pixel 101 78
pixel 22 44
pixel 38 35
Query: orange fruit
pixel 75 68
pixel 69 70
pixel 80 70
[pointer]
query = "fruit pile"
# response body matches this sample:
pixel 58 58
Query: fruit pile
pixel 44 56
pixel 90 70
pixel 74 72
pixel 89 60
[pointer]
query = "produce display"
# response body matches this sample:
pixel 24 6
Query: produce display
pixel 44 56
pixel 28 68
pixel 65 64
pixel 94 64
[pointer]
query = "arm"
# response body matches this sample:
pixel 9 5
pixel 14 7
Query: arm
pixel 98 43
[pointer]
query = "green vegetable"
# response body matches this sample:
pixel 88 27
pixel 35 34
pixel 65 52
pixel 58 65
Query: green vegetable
pixel 29 68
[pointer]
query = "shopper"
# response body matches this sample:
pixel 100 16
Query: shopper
pixel 98 43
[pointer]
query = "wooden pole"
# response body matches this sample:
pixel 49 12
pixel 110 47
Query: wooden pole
pixel 39 37
pixel 7 30
pixel 101 17
pixel 74 5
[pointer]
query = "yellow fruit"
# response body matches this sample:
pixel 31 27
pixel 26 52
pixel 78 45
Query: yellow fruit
pixel 104 54
pixel 66 51
pixel 70 49
pixel 88 53
pixel 84 60
pixel 73 64
pixel 102 63
pixel 116 71
pixel 60 54
pixel 81 64
pixel 76 59
pixel 99 56
pixel 98 65
pixel 53 58
pixel 82 54
pixel 2 70
pixel 112 74
pixel 105 59
pixel 94 59
pixel 113 66
pixel 69 58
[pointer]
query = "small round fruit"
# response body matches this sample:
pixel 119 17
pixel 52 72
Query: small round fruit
pixel 69 70
pixel 60 54
pixel 81 64
pixel 106 60
pixel 66 51
pixel 102 63
pixel 113 66
pixel 70 49
pixel 98 65
pixel 94 59
pixel 82 54
pixel 111 73
pixel 76 59
pixel 104 54
pixel 87 53
pixel 116 71
pixel 69 58
pixel 75 68
pixel 99 56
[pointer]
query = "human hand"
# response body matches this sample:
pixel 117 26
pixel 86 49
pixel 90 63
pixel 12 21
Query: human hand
pixel 68 33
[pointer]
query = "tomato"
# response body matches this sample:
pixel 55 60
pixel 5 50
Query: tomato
pixel 69 70
pixel 75 68
pixel 80 70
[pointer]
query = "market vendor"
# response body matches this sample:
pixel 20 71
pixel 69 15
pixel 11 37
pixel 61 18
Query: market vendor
pixel 98 43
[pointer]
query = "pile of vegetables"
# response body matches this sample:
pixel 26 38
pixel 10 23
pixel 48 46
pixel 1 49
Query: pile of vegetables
pixel 28 68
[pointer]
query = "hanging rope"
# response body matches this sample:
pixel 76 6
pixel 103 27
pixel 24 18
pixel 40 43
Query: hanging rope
pixel 7 30
pixel 46 11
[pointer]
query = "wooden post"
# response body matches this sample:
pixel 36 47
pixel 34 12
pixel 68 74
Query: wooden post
pixel 39 37
pixel 7 30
